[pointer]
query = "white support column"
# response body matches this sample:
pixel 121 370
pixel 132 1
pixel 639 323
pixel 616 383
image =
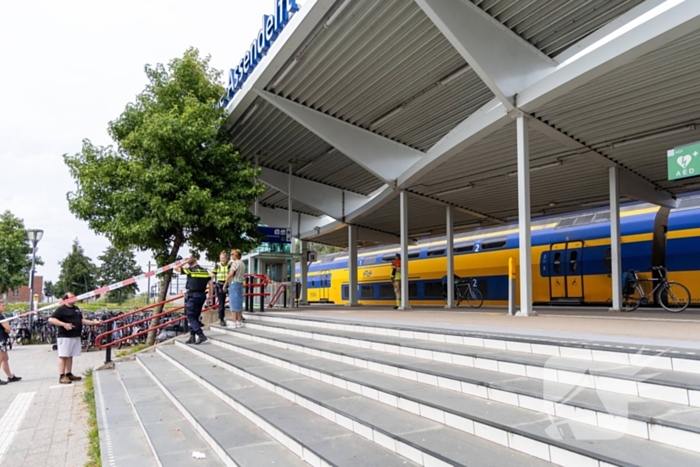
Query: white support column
pixel 450 258
pixel 404 251
pixel 615 243
pixel 524 217
pixel 290 213
pixel 257 204
pixel 304 267
pixel 352 265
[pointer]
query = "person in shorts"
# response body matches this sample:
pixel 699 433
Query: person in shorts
pixel 69 320
pixel 5 330
pixel 234 281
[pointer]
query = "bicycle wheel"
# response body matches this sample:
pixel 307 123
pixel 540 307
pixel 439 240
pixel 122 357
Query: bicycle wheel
pixel 630 302
pixel 475 298
pixel 674 297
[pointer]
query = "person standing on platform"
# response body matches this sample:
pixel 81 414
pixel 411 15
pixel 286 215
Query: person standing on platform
pixel 396 279
pixel 235 279
pixel 218 277
pixel 69 320
pixel 197 282
pixel 5 345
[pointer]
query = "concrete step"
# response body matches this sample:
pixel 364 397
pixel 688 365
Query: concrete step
pixel 123 442
pixel 171 436
pixel 232 436
pixel 648 381
pixel 665 422
pixel 317 440
pixel 549 437
pixel 598 350
pixel 424 441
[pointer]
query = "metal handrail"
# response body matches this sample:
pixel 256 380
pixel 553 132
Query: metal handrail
pixel 98 340
pixel 141 310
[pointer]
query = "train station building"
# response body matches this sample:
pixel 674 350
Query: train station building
pixel 387 122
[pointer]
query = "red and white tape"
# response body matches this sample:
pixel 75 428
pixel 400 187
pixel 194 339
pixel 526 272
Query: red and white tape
pixel 102 290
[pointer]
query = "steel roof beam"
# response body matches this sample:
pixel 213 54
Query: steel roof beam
pixel 384 158
pixel 457 208
pixel 632 185
pixel 332 201
pixel 488 119
pixel 502 59
pixel 300 222
pixel 651 30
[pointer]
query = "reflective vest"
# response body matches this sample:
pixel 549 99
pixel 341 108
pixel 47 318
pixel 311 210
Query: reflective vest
pixel 197 278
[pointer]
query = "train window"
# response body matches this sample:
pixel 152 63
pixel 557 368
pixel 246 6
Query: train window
pixel 557 262
pixel 369 260
pixel 414 255
pixel 412 290
pixel 345 292
pixel 493 244
pixel 388 258
pixel 432 289
pixel 584 219
pixel 607 260
pixel 566 222
pixel 386 291
pixel 573 262
pixel 366 291
pixel 436 252
pixel 463 248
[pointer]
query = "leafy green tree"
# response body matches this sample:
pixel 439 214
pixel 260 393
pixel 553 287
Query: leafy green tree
pixel 174 177
pixel 15 253
pixel 322 249
pixel 48 289
pixel 116 266
pixel 78 272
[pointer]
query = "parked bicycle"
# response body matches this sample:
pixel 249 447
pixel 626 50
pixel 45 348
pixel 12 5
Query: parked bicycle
pixel 465 289
pixel 672 296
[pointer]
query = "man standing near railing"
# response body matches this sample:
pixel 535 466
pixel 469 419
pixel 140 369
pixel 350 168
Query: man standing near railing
pixel 218 279
pixel 197 282
pixel 69 320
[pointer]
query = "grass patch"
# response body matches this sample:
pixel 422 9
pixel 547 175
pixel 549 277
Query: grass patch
pixel 93 433
pixel 134 349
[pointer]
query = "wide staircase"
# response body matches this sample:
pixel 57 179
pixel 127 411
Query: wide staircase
pixel 291 390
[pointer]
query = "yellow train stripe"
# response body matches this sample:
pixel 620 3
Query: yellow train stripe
pixel 683 233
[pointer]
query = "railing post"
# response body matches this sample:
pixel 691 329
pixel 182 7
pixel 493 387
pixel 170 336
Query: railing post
pixel 284 300
pixel 262 297
pixel 108 350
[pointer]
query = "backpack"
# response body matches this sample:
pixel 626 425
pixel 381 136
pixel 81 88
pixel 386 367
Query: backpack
pixel 628 282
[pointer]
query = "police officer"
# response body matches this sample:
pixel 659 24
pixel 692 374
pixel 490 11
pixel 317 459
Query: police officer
pixel 196 295
pixel 218 277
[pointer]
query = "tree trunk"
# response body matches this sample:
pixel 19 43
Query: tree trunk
pixel 164 286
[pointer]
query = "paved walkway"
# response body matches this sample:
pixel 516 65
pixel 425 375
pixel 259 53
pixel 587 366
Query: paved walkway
pixel 44 424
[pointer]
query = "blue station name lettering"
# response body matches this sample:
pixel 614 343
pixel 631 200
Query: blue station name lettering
pixel 272 27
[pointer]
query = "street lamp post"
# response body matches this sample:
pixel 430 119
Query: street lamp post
pixel 35 236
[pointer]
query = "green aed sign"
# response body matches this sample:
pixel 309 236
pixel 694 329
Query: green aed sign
pixel 683 162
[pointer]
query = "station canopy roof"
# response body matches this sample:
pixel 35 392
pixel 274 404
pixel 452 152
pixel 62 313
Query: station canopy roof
pixel 364 98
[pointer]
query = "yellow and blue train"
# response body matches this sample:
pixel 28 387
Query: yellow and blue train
pixel 571 260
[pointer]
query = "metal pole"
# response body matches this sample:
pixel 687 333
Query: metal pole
pixel 615 246
pixel 450 258
pixel 404 250
pixel 352 265
pixel 148 291
pixel 30 318
pixel 511 287
pixel 524 217
pixel 108 350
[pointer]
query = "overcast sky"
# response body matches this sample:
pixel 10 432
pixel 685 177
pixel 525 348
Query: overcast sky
pixel 70 67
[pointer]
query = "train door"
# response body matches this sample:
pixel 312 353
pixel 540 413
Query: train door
pixel 566 272
pixel 324 290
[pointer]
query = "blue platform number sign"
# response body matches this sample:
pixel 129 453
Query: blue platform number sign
pixel 272 26
pixel 276 234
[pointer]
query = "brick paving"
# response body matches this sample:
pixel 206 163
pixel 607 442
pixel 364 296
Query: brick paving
pixel 53 433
